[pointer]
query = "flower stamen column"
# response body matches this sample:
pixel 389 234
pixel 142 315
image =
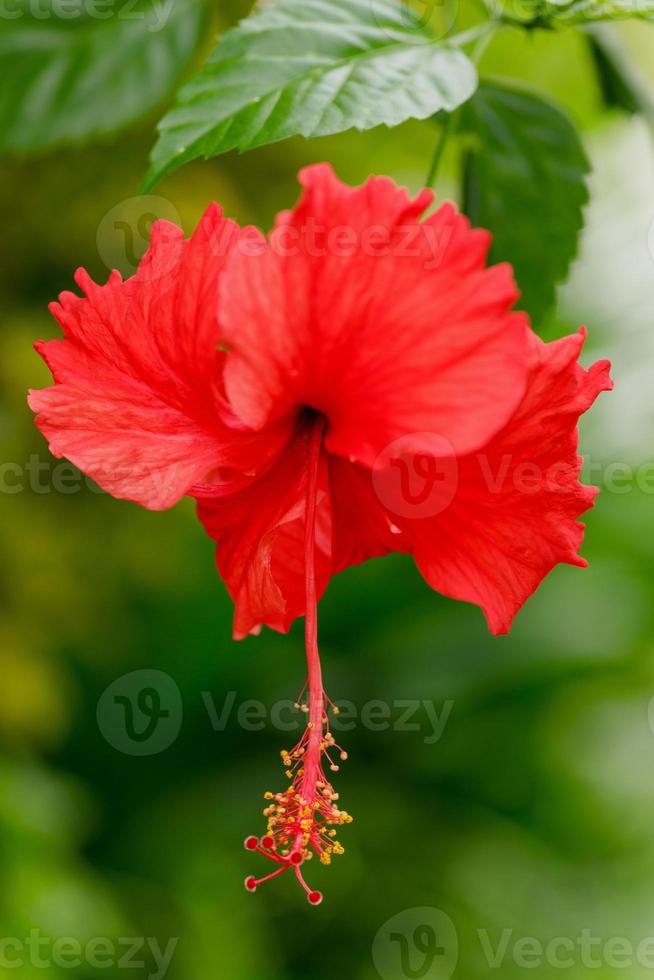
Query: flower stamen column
pixel 302 820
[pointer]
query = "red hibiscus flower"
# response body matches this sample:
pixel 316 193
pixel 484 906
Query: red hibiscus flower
pixel 355 384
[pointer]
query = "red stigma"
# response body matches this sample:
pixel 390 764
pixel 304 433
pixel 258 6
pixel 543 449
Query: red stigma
pixel 315 898
pixel 250 843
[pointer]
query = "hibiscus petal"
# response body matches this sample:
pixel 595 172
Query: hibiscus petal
pixel 387 325
pixel 514 511
pixel 138 402
pixel 260 537
pixel 362 527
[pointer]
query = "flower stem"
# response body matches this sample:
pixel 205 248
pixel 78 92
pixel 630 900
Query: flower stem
pixel 492 28
pixel 440 150
pixel 314 670
pixel 482 35
pixel 302 819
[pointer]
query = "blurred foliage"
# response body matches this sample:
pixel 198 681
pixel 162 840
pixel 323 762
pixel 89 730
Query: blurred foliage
pixel 75 70
pixel 532 813
pixel 526 153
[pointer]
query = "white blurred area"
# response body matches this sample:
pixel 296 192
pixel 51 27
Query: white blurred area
pixel 611 288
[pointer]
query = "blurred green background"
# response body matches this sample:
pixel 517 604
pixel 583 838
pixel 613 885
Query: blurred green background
pixel 530 816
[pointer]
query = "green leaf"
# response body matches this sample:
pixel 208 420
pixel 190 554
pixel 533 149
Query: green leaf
pixel 524 181
pixel 312 68
pixel 66 79
pixel 567 13
pixel 622 85
pixel 593 11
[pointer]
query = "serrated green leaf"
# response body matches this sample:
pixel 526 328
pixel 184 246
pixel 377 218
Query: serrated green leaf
pixel 593 11
pixel 68 79
pixel 524 181
pixel 553 13
pixel 621 84
pixel 312 68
